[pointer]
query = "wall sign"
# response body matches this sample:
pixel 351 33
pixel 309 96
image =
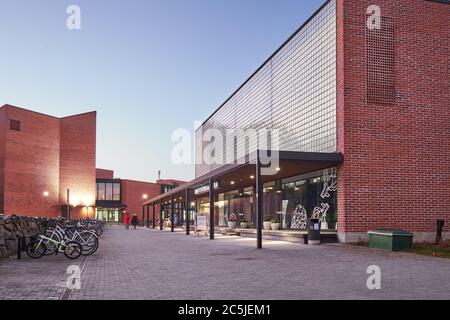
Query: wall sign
pixel 205 188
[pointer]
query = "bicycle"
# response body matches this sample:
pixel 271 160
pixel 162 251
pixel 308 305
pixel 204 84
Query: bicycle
pixel 87 238
pixel 36 249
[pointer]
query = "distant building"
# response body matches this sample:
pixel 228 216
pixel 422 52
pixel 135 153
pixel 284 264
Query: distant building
pixel 114 197
pixel 47 168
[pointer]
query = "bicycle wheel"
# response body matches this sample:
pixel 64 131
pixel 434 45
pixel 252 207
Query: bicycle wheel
pixel 36 249
pixel 88 241
pixel 99 231
pixel 50 246
pixel 73 250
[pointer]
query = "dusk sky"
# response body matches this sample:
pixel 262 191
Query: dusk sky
pixel 147 67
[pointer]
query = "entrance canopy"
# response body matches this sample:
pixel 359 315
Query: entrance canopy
pixel 243 173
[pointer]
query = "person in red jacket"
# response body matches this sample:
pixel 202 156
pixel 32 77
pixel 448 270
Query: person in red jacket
pixel 127 221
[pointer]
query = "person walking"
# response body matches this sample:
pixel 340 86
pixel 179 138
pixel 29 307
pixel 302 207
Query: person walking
pixel 134 221
pixel 127 221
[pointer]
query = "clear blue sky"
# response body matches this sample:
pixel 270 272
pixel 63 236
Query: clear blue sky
pixel 146 66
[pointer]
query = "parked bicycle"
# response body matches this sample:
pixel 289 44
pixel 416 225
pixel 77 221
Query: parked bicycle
pixel 37 248
pixel 60 233
pixel 87 238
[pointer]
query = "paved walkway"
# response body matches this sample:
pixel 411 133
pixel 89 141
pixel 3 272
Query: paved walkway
pixel 150 264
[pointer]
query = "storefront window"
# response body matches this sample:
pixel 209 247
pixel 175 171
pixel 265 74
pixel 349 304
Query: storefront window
pixel 240 203
pixel 292 201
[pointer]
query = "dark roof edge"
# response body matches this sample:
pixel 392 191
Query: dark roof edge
pixel 44 114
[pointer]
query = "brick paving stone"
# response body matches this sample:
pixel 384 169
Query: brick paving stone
pixel 150 264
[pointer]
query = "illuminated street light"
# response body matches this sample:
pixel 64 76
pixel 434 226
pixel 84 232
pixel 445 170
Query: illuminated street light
pixel 45 193
pixel 144 196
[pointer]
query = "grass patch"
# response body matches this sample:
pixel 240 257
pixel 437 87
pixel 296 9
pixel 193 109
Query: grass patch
pixel 441 250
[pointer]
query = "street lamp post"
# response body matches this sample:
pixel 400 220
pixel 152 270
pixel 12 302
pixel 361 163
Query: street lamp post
pixel 144 197
pixel 68 204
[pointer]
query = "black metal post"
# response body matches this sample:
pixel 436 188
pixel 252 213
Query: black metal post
pixel 68 204
pixel 153 221
pixel 161 206
pixel 148 216
pixel 19 248
pixel 211 209
pixel 440 226
pixel 187 207
pixel 143 215
pixel 172 214
pixel 259 203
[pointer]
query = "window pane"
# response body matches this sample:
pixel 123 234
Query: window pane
pixel 100 191
pixel 109 191
pixel 116 195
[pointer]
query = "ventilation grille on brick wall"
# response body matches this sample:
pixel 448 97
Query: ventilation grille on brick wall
pixel 380 63
pixel 14 125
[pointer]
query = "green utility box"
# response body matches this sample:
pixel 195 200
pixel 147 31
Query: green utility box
pixel 390 239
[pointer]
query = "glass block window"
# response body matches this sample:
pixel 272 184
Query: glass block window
pixel 380 63
pixel 294 92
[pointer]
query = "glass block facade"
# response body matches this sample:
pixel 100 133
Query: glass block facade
pixel 294 92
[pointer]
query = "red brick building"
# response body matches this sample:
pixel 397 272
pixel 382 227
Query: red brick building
pixel 41 158
pixel 393 117
pixel 118 196
pixel 46 162
pixel 360 95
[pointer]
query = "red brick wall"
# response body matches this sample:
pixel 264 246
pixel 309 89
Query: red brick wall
pixel 170 182
pixel 77 160
pixel 31 159
pixel 2 155
pixel 48 154
pixel 104 174
pixel 396 171
pixel 132 192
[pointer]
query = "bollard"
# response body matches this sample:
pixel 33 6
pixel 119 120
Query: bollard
pixel 440 226
pixel 19 248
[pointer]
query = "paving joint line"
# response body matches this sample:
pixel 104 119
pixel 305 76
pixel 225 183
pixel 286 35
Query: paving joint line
pixel 68 292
